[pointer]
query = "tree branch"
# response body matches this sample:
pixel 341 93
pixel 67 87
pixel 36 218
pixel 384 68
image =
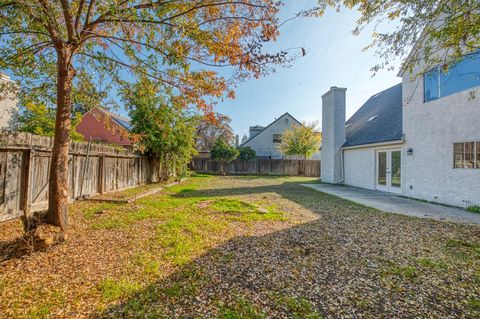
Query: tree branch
pixel 24 32
pixel 89 12
pixel 68 19
pixel 50 24
pixel 79 14
pixel 215 4
pixel 32 49
pixel 7 4
pixel 196 7
pixel 131 67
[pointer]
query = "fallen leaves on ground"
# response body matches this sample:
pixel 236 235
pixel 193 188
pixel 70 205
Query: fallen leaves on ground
pixel 245 247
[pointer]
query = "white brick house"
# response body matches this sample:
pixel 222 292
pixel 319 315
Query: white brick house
pixel 8 106
pixel 420 138
pixel 265 140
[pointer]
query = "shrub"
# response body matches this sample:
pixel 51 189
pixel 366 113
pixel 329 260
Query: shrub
pixel 474 209
pixel 301 140
pixel 246 153
pixel 223 153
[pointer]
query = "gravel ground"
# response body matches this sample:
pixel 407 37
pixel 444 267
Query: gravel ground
pixel 311 255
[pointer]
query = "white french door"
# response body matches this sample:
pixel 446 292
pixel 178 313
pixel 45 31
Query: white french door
pixel 389 170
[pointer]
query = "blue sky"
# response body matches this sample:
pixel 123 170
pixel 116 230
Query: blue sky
pixel 334 58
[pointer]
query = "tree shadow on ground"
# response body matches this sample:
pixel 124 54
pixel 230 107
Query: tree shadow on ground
pixel 350 262
pixel 15 248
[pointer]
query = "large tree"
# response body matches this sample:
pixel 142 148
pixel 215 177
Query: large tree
pixel 209 130
pixel 301 140
pixel 39 119
pixel 450 28
pixel 49 46
pixel 162 130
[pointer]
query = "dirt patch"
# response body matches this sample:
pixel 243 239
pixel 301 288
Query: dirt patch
pixel 204 204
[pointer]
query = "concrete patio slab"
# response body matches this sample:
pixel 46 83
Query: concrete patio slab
pixel 393 203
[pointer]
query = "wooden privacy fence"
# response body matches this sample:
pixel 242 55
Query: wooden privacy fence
pixel 259 166
pixel 93 169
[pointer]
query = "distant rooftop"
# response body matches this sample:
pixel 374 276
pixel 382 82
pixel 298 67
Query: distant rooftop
pixel 122 121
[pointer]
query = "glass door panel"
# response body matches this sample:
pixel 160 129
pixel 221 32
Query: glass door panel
pixel 396 168
pixel 389 170
pixel 382 168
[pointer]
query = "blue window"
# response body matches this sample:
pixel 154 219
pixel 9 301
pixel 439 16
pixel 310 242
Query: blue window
pixel 431 85
pixel 459 77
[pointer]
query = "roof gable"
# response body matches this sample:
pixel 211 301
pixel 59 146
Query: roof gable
pixel 117 119
pixel 378 120
pixel 269 125
pixel 122 122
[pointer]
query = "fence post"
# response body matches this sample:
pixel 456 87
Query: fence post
pixel 139 172
pixel 116 173
pixel 101 174
pixel 85 167
pixel 27 216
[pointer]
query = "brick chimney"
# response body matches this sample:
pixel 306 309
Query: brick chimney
pixel 254 130
pixel 333 134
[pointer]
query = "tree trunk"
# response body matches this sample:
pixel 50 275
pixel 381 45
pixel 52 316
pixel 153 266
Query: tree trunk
pixel 58 184
pixel 304 164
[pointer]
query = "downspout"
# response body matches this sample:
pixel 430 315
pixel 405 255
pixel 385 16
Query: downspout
pixel 342 166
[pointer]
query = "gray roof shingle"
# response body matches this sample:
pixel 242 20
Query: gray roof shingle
pixel 378 120
pixel 123 122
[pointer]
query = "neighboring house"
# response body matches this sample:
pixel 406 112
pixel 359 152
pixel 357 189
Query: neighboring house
pixel 420 138
pixel 103 126
pixel 8 106
pixel 265 140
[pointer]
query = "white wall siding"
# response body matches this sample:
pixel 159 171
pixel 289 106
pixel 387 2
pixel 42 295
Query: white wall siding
pixel 360 167
pixel 8 109
pixel 263 142
pixel 430 130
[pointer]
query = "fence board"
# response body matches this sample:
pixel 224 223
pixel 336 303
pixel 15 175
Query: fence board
pixel 108 169
pixel 3 169
pixel 260 166
pixel 12 182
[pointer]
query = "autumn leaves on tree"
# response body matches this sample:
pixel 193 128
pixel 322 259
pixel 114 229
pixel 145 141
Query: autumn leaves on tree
pixel 55 47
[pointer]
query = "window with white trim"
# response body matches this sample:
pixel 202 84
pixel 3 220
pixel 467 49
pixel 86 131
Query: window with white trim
pixel 466 155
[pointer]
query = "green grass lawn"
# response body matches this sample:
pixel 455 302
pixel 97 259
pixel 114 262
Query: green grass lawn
pixel 245 247
pixel 131 192
pixel 474 209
